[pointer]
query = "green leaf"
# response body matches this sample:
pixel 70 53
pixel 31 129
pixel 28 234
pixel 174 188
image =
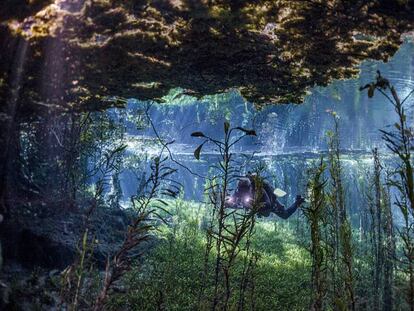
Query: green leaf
pixel 226 127
pixel 162 202
pixel 371 91
pixel 198 151
pixel 361 88
pixel 197 134
pixel 247 131
pixel 397 126
pixel 408 133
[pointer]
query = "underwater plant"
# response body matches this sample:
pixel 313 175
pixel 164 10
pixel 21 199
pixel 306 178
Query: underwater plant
pixel 339 227
pixel 315 213
pixel 229 230
pixel 73 277
pixel 144 206
pixel 400 142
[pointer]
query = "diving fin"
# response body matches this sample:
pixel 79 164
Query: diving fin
pixel 279 193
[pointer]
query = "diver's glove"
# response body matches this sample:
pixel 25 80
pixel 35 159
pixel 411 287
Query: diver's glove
pixel 299 200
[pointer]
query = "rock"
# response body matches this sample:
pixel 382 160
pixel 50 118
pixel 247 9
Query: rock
pixel 4 295
pixel 30 290
pixel 52 242
pixel 30 248
pixel 53 273
pixel 271 51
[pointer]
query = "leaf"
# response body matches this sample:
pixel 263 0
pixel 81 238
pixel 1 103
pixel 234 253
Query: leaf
pixel 340 304
pixel 381 81
pixel 162 202
pixel 121 148
pixel 226 126
pixel 247 131
pixel 197 134
pixel 198 151
pixel 170 193
pixel 397 126
pixel 361 88
pixel 371 91
pixel 408 132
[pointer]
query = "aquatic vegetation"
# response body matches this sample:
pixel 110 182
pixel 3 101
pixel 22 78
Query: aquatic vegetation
pixel 340 232
pixel 229 231
pixel 400 142
pixel 174 268
pixel 315 214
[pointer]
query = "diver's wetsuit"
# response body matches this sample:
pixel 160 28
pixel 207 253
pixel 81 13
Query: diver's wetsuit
pixel 245 192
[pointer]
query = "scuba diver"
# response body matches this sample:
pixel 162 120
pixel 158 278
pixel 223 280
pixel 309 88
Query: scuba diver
pixel 244 197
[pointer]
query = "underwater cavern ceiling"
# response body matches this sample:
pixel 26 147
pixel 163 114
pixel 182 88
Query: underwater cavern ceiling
pixel 80 52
